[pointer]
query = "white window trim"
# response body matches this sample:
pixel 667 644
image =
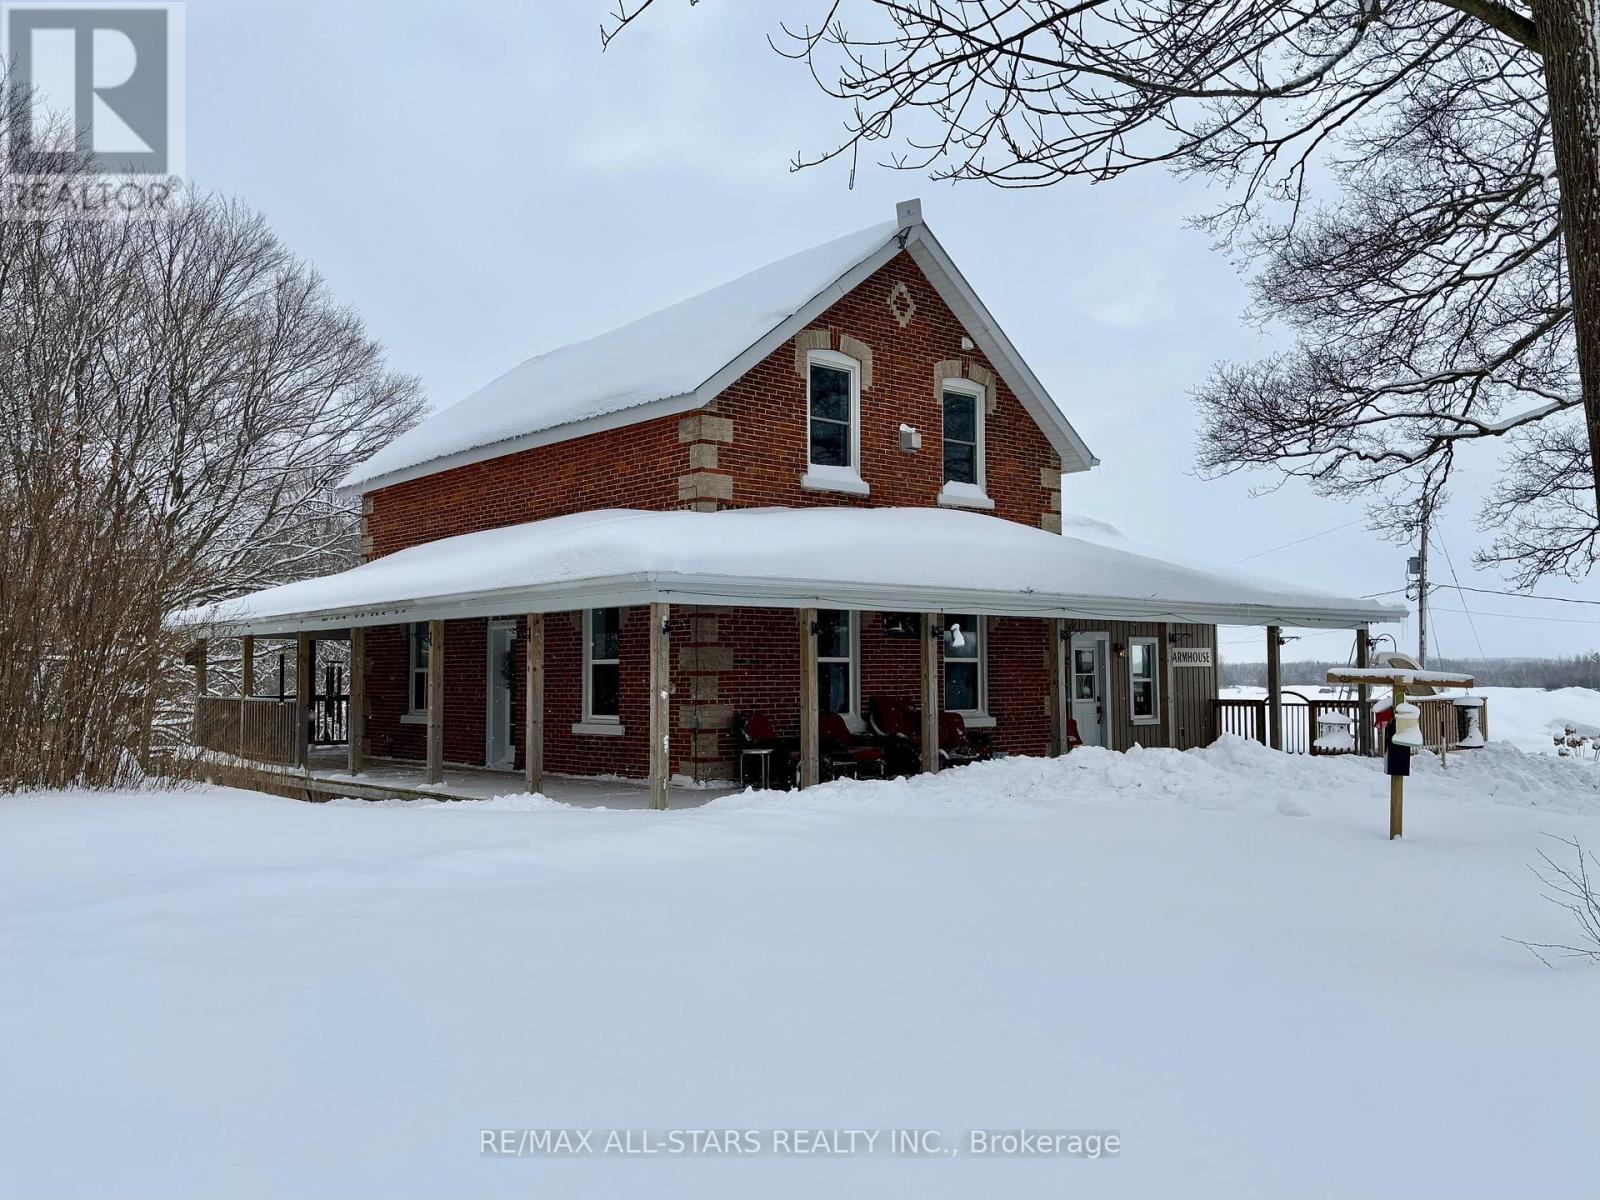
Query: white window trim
pixel 847 478
pixel 598 722
pixel 413 716
pixel 975 718
pixel 1155 680
pixel 967 495
pixel 852 716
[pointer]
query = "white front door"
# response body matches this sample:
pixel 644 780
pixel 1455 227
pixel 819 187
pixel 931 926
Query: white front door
pixel 1087 681
pixel 498 682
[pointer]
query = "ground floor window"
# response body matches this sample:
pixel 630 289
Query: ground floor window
pixel 1144 692
pixel 602 664
pixel 964 684
pixel 836 655
pixel 420 635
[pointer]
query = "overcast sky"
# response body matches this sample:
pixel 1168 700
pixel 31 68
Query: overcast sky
pixel 481 183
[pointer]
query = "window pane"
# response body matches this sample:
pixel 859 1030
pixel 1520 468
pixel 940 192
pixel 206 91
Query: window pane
pixel 969 636
pixel 604 680
pixel 960 417
pixel 1144 700
pixel 1085 658
pixel 1140 659
pixel 1083 686
pixel 833 633
pixel 421 632
pixel 830 443
pixel 833 686
pixel 960 463
pixel 604 636
pixel 830 394
pixel 961 685
pixel 419 691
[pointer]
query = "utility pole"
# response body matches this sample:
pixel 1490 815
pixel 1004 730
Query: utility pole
pixel 1422 584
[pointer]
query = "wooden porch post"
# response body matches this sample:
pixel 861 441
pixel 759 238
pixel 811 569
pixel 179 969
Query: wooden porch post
pixel 1274 686
pixel 1055 632
pixel 303 668
pixel 355 725
pixel 533 705
pixel 810 750
pixel 932 634
pixel 247 685
pixel 1363 692
pixel 435 771
pixel 660 704
pixel 200 667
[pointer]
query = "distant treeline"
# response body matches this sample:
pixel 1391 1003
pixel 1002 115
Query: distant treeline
pixel 1580 671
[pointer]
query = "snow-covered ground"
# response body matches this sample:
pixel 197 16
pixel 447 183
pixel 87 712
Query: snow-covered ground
pixel 1528 718
pixel 1216 954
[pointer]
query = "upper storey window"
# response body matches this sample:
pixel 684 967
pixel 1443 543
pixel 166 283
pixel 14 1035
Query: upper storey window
pixel 965 483
pixel 833 423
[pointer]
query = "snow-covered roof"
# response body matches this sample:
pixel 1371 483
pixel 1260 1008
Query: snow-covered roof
pixel 883 559
pixel 682 357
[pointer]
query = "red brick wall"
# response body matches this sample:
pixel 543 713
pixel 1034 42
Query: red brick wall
pixel 768 408
pixel 636 466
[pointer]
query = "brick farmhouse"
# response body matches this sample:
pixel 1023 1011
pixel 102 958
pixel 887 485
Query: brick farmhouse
pixel 628 535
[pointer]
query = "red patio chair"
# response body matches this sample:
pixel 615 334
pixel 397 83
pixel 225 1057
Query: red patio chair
pixel 899 732
pixel 958 747
pixel 758 740
pixel 1074 738
pixel 844 752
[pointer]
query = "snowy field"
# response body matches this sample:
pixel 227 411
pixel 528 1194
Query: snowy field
pixel 1217 955
pixel 1527 718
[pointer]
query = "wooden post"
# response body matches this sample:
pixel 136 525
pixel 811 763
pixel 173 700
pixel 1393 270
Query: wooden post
pixel 1397 783
pixel 435 768
pixel 200 667
pixel 533 705
pixel 355 725
pixel 1275 686
pixel 932 635
pixel 810 749
pixel 1060 704
pixel 1363 692
pixel 247 684
pixel 660 704
pixel 303 667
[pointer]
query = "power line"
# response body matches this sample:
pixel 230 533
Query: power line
pixel 1451 563
pixel 1523 617
pixel 1517 595
pixel 1296 542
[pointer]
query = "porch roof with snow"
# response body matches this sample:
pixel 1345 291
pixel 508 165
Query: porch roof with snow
pixel 879 559
pixel 682 357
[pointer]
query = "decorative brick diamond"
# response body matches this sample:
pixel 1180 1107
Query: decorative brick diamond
pixel 901 304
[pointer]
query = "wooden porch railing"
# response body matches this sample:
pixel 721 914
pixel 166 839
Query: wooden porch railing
pixel 1440 719
pixel 264 731
pixel 1242 718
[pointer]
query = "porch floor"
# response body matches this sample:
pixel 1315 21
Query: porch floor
pixel 326 768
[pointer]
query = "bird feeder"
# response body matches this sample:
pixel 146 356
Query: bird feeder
pixel 1333 731
pixel 1407 726
pixel 1469 714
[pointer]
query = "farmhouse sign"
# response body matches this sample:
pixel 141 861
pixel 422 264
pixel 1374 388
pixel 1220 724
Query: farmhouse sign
pixel 1191 656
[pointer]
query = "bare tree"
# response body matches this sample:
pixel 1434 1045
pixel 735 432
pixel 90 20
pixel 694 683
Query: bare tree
pixel 1448 293
pixel 177 399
